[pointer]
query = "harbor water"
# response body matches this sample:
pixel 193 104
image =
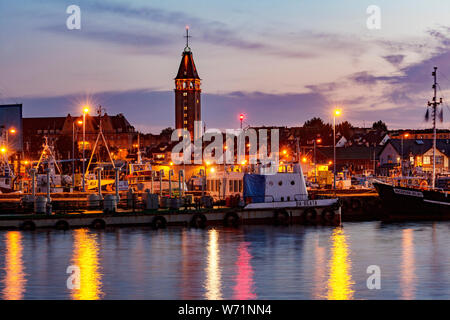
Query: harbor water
pixel 254 262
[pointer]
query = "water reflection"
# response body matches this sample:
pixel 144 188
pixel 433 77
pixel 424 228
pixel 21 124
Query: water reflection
pixel 243 290
pixel 407 267
pixel 340 280
pixel 86 257
pixel 319 270
pixel 15 276
pixel 213 276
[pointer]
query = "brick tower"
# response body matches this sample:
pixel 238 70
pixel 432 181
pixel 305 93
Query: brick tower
pixel 187 92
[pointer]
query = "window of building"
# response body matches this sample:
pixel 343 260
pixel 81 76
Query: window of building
pixel 426 160
pixel 185 94
pixel 185 122
pixel 439 159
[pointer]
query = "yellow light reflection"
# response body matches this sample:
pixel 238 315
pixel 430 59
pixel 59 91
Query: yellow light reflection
pixel 86 257
pixel 408 271
pixel 340 281
pixel 213 276
pixel 15 276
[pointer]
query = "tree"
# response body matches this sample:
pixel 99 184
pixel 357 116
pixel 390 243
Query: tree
pixel 379 125
pixel 167 132
pixel 345 128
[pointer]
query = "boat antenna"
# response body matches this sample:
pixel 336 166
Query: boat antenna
pixel 434 104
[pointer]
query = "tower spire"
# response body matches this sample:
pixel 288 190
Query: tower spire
pixel 187 36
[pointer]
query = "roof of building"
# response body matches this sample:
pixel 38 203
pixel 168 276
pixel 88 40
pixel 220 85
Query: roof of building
pixel 419 147
pixel 48 123
pixel 187 68
pixel 353 152
pixel 373 137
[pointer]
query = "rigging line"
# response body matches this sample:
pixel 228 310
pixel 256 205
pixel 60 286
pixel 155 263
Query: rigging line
pixel 443 98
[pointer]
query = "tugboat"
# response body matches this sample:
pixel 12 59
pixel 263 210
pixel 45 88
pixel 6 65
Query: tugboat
pixel 421 202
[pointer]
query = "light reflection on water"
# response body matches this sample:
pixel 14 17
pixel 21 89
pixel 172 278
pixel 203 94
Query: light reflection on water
pixel 14 281
pixel 85 256
pixel 253 262
pixel 213 280
pixel 340 280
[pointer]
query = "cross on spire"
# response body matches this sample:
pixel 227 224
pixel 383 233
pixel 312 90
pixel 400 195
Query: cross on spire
pixel 187 36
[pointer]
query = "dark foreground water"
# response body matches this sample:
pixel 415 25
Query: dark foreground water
pixel 260 262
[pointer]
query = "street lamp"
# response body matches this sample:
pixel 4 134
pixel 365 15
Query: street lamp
pixel 241 118
pixel 79 122
pixel 406 135
pixel 316 141
pixel 85 111
pixel 336 113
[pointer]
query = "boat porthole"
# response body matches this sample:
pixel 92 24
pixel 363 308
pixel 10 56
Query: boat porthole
pixel 292 182
pixel 280 183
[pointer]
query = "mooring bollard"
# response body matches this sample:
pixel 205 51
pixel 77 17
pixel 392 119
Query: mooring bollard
pixel 33 183
pixel 49 200
pixel 180 183
pixel 117 170
pixel 161 174
pixel 170 182
pixel 130 198
pixel 202 176
pixel 99 180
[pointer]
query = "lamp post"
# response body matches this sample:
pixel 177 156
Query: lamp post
pixel 336 113
pixel 73 149
pixel 85 111
pixel 315 161
pixel 241 118
pixel 406 135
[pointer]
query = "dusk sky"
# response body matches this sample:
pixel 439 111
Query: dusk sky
pixel 280 62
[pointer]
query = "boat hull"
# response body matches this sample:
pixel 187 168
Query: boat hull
pixel 402 203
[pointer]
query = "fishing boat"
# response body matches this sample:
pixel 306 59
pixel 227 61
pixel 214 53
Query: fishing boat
pixel 403 201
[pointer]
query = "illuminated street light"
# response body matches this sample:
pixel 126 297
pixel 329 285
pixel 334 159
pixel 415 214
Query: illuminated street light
pixel 85 111
pixel 3 150
pixel 241 118
pixel 336 113
pixel 316 141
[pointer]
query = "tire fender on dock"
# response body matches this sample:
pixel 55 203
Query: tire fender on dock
pixel 159 222
pixel 281 217
pixel 98 224
pixel 328 215
pixel 28 225
pixel 62 225
pixel 231 219
pixel 311 215
pixel 198 221
pixel 355 204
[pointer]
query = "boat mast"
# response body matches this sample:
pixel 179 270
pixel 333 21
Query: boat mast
pixel 434 106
